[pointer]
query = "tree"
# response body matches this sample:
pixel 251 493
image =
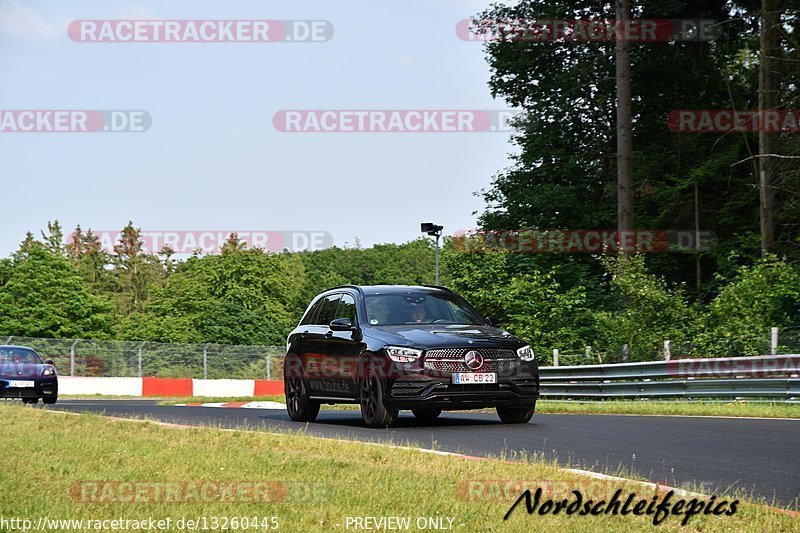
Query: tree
pixel 85 251
pixel 54 238
pixel 645 310
pixel 625 212
pixel 43 295
pixel 760 296
pixel 135 272
pixel 239 297
pixel 531 304
pixel 564 175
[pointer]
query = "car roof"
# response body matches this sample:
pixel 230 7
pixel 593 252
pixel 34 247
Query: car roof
pixel 390 289
pixel 2 346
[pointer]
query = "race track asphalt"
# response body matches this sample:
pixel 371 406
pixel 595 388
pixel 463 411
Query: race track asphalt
pixel 759 456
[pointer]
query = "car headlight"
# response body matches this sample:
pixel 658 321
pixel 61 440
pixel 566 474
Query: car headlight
pixel 48 371
pixel 526 353
pixel 399 354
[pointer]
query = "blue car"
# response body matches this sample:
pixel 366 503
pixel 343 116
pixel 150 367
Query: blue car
pixel 23 375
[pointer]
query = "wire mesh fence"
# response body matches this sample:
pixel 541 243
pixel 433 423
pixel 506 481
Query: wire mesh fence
pixel 772 341
pixel 102 358
pixel 99 358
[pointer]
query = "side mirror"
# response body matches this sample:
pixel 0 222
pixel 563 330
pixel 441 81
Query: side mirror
pixel 341 324
pixel 49 362
pixel 492 322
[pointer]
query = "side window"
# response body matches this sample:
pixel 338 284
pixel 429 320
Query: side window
pixel 328 310
pixel 347 308
pixel 312 313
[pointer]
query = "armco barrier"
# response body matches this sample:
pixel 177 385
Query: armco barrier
pixel 767 376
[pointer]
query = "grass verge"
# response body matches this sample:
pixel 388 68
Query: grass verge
pixel 682 408
pixel 315 484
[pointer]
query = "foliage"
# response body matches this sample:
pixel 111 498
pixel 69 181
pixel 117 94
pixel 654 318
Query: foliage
pixel 237 297
pixel 564 174
pixel 763 295
pixel 43 295
pixel 531 304
pixel 252 297
pixel 645 312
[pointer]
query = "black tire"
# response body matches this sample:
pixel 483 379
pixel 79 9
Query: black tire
pixel 427 414
pixel 516 415
pixel 300 407
pixel 373 409
pixel 30 400
pixel 50 401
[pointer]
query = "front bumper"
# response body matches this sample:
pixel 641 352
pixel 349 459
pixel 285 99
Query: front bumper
pixel 42 388
pixel 431 386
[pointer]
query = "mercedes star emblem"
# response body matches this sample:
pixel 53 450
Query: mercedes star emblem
pixel 473 360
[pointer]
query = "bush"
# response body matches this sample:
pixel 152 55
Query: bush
pixel 761 296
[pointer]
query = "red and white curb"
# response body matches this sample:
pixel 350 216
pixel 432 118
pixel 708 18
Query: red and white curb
pixel 237 405
pixel 160 387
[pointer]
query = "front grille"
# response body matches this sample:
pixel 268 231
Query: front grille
pixel 452 360
pixel 458 353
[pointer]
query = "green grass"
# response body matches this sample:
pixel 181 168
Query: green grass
pixel 321 481
pixel 650 407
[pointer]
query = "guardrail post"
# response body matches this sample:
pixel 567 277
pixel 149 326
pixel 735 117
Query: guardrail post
pixel 205 361
pixel 269 365
pixel 588 353
pixel 555 356
pixel 773 341
pixel 625 350
pixel 72 358
pixel 667 353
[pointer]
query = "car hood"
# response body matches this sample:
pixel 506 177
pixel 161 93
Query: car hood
pixel 18 371
pixel 440 335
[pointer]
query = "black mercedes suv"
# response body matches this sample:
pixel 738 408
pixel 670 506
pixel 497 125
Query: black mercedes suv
pixel 390 347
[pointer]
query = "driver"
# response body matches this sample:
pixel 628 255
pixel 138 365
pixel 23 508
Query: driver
pixel 418 314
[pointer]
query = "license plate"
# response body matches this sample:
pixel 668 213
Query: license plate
pixel 474 378
pixel 20 384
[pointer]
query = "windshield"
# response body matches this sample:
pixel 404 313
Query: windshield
pixel 419 308
pixel 18 356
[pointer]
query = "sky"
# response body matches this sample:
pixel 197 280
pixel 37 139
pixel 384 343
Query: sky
pixel 212 159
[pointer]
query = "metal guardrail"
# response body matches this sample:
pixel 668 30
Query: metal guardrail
pixel 767 376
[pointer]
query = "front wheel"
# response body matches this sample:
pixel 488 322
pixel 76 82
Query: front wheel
pixel 516 415
pixel 373 410
pixel 300 407
pixel 50 401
